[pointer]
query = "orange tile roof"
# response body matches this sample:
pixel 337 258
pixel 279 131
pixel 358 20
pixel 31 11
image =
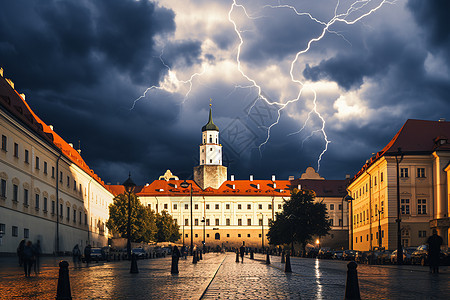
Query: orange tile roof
pixel 11 100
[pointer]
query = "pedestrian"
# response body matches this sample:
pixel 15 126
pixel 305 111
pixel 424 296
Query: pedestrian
pixel 28 258
pixel 242 251
pixel 175 257
pixel 434 249
pixel 183 251
pixel 87 253
pixel 76 256
pixel 20 252
pixel 37 254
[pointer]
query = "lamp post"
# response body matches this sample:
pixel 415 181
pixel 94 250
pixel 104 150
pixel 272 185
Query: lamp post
pixel 129 188
pixel 349 199
pixel 380 241
pixel 398 160
pixel 184 185
pixel 204 239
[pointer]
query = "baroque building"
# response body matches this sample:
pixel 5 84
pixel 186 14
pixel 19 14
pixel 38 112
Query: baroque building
pixel 422 152
pixel 47 191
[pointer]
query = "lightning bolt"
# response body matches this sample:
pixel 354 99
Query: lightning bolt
pixel 337 18
pixel 170 82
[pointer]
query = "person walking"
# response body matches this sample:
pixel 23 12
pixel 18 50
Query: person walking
pixel 37 257
pixel 20 252
pixel 434 249
pixel 242 251
pixel 76 256
pixel 87 253
pixel 28 258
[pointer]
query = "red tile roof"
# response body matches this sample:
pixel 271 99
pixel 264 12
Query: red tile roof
pixel 416 137
pixel 19 108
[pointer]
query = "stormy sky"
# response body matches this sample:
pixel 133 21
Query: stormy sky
pixel 351 80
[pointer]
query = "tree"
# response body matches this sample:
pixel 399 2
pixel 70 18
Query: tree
pixel 167 229
pixel 143 225
pixel 300 220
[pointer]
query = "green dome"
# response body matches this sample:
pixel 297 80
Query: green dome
pixel 210 125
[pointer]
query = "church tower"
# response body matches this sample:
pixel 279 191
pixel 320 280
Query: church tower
pixel 210 172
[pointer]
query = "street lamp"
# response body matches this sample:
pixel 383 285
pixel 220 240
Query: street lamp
pixel 399 220
pixel 184 185
pixel 349 199
pixel 204 240
pixel 129 188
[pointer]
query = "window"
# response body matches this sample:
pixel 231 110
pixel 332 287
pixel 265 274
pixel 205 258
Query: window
pixel 381 177
pixel 248 234
pixel 74 216
pixel 340 222
pixel 195 206
pixel 165 205
pixel 269 220
pixel 37 163
pixel 207 222
pixel 404 206
pixel 186 206
pixel 227 222
pixel 404 172
pixel 249 222
pixel 15 197
pixel 259 206
pixel 421 206
pixel 422 233
pixel 260 222
pixel 210 161
pixel 249 206
pixel 227 206
pixel 331 206
pixel 53 207
pixel 340 207
pixel 207 206
pixel 85 219
pixel 279 206
pixel 45 167
pixel 331 222
pixel 3 188
pixel 16 150
pixel 210 149
pixel 421 172
pixel 27 159
pixel 375 182
pixel 270 206
pixel 196 222
pixel 175 207
pixel 2 228
pixel 74 185
pixel 68 181
pixel 239 206
pixel 15 231
pixel 239 222
pixel 196 235
pixel 37 202
pixel 53 172
pixel 259 235
pixel 4 141
pixel 186 222
pixel 217 222
pixel 217 206
pixel 186 235
pixel 25 197
pixel 210 139
pixel 68 214
pixel 61 210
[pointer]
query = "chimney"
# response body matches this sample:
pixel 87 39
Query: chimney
pixel 251 177
pixel 347 176
pixel 257 186
pixel 234 187
pixel 273 177
pixel 232 177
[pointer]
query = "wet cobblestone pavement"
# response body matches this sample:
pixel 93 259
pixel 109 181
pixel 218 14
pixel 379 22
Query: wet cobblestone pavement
pixel 253 279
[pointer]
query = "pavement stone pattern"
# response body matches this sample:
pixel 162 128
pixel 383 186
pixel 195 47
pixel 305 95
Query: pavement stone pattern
pixel 218 276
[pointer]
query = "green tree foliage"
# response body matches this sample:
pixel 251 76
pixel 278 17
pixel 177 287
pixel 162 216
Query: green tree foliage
pixel 167 229
pixel 143 225
pixel 300 220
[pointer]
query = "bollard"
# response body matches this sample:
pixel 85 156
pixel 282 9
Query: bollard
pixel 251 254
pixel 201 255
pixel 287 266
pixel 237 256
pixel 352 286
pixel 134 267
pixel 63 289
pixel 194 257
pixel 174 269
pixel 282 258
pixel 267 258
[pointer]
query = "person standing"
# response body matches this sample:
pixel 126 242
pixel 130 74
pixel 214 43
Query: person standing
pixel 20 252
pixel 175 257
pixel 87 253
pixel 76 256
pixel 28 258
pixel 37 254
pixel 434 249
pixel 242 251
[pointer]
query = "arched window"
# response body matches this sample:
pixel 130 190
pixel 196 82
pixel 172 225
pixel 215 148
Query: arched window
pixel 217 236
pixel 210 138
